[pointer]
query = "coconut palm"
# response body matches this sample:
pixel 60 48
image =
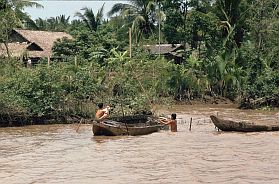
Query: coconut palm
pixel 59 23
pixel 18 7
pixel 61 19
pixel 40 24
pixel 140 13
pixel 12 16
pixel 89 18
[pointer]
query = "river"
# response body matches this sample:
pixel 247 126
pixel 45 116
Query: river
pixel 58 154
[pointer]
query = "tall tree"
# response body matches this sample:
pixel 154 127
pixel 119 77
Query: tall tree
pixel 174 26
pixel 260 51
pixel 18 7
pixel 12 15
pixel 8 21
pixel 232 15
pixel 91 20
pixel 139 13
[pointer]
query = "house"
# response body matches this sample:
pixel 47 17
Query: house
pixel 170 51
pixel 32 44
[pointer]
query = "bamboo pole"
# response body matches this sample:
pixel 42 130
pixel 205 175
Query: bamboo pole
pixel 190 128
pixel 130 42
pixel 159 17
pixel 130 49
pixel 75 60
pixel 48 60
pixel 79 124
pixel 124 116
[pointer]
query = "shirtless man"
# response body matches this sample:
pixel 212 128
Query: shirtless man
pixel 102 113
pixel 171 122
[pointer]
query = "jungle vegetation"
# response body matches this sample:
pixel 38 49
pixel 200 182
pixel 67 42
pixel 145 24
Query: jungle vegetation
pixel 231 50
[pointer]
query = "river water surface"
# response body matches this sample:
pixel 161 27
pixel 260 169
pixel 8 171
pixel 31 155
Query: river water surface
pixel 58 154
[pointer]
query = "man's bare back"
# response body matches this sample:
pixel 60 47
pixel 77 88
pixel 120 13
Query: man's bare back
pixel 171 122
pixel 102 113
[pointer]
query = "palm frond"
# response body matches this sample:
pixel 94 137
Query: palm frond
pixel 118 8
pixel 82 17
pixel 30 24
pixel 100 13
pixel 151 6
pixel 21 4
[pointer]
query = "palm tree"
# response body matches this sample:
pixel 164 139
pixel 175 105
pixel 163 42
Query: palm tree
pixel 12 16
pixel 61 19
pixel 89 18
pixel 59 23
pixel 140 13
pixel 19 5
pixel 51 23
pixel 40 24
pixel 232 17
pixel 62 22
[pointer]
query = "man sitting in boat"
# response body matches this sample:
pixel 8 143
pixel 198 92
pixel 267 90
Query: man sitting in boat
pixel 171 122
pixel 102 113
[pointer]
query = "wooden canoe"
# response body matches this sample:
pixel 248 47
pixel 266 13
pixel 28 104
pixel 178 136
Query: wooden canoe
pixel 243 126
pixel 128 125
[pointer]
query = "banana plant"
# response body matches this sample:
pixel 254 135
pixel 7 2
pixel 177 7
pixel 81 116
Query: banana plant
pixel 118 58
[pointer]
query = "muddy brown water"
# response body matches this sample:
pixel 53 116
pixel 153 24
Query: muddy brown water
pixel 58 154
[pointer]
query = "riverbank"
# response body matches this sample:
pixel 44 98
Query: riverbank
pixel 207 100
pixel 20 119
pixel 8 120
pixel 264 103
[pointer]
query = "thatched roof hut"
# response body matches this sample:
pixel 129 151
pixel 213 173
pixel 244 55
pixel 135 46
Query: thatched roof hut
pixel 163 48
pixel 36 44
pixel 167 50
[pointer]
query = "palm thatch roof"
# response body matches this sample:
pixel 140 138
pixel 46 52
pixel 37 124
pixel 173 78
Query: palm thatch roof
pixel 163 48
pixel 15 49
pixel 34 43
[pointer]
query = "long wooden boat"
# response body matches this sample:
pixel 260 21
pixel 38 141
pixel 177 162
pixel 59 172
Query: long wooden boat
pixel 243 126
pixel 128 125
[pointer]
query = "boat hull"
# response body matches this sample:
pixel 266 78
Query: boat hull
pixel 133 128
pixel 243 126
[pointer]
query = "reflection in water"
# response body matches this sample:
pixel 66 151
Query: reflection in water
pixel 58 154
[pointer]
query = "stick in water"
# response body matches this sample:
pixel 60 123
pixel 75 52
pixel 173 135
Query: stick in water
pixel 190 125
pixel 79 124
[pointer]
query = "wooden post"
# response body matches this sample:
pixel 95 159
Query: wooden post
pixel 159 28
pixel 21 59
pixel 130 41
pixel 79 124
pixel 190 124
pixel 48 60
pixel 75 60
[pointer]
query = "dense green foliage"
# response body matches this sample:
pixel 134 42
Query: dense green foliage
pixel 64 88
pixel 231 49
